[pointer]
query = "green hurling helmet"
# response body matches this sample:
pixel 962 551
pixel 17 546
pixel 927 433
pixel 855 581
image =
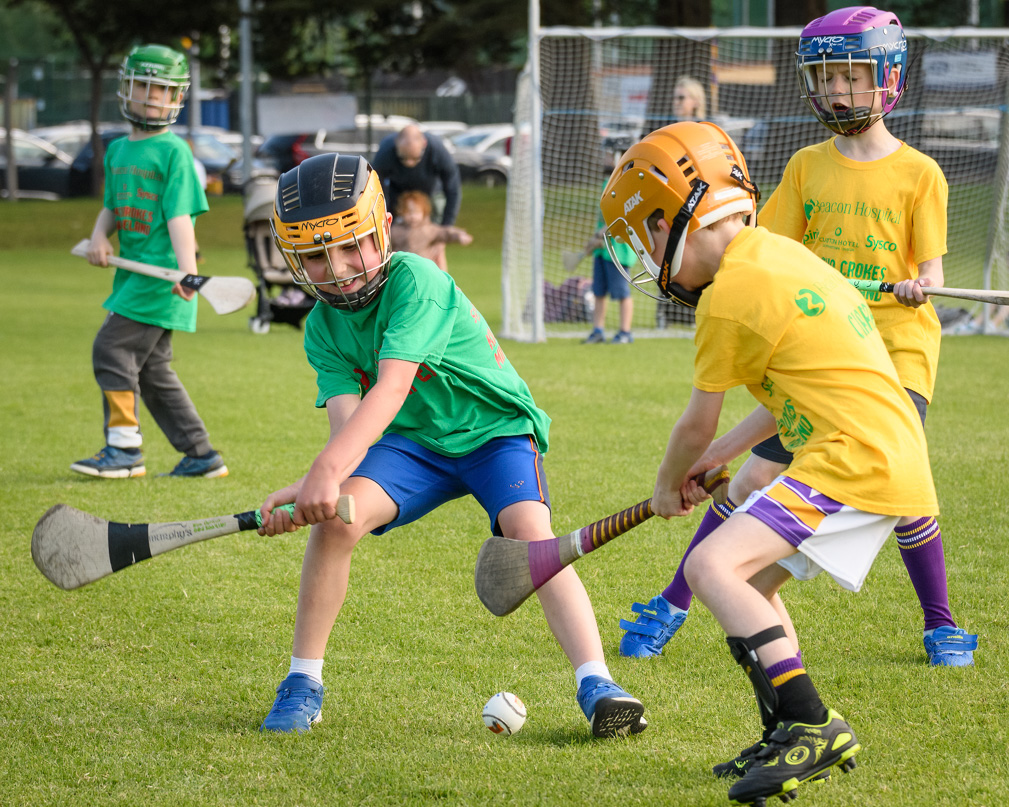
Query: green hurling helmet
pixel 152 85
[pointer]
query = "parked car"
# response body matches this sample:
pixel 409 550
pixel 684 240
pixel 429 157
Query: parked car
pixel 211 146
pixel 618 135
pixel 217 157
pixel 283 152
pixel 80 170
pixel 445 129
pixel 483 153
pixel 71 137
pixel 227 137
pixel 43 171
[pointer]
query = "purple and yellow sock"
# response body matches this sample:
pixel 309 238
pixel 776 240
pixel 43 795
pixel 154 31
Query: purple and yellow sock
pixel 921 550
pixel 797 697
pixel 678 593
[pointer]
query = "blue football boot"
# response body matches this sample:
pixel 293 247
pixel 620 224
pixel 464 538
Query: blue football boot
pixel 655 625
pixel 611 712
pixel 298 705
pixel 950 647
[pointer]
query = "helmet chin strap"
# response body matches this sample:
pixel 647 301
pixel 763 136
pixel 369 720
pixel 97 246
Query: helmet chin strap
pixel 674 245
pixel 677 237
pixel 680 295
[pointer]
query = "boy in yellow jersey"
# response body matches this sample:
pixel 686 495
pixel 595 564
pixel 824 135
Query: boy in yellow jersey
pixel 873 208
pixel 776 319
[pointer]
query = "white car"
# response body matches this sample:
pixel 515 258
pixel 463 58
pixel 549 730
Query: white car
pixel 483 153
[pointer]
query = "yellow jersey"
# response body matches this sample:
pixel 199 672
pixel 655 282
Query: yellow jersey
pixel 874 220
pixel 803 341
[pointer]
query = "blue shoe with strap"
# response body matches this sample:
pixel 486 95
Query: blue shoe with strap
pixel 209 465
pixel 112 463
pixel 611 712
pixel 948 646
pixel 597 337
pixel 298 705
pixel 655 625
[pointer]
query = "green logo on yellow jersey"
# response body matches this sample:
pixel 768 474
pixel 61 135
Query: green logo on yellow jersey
pixel 810 303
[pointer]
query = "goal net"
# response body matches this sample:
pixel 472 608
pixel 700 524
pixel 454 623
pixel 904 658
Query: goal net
pixel 588 93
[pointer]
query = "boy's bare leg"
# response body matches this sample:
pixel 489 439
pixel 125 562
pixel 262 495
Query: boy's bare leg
pixel 565 602
pixel 626 313
pixel 599 312
pixel 325 571
pixel 733 573
pixel 768 582
pixel 609 709
pixel 719 571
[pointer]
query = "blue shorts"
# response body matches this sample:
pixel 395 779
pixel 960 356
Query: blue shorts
pixel 501 472
pixel 606 279
pixel 772 449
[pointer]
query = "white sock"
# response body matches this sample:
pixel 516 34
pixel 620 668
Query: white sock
pixel 312 667
pixel 592 668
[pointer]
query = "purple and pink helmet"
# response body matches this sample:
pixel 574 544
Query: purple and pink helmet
pixel 853 35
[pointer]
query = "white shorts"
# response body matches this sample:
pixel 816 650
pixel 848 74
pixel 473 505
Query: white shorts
pixel 828 535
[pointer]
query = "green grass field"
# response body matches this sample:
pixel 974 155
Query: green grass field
pixel 147 687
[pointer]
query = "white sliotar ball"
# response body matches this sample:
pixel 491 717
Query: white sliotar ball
pixel 504 714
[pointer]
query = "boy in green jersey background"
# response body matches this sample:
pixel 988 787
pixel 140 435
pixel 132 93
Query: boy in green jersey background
pixel 152 197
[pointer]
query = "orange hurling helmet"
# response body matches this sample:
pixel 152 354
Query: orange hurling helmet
pixel 694 175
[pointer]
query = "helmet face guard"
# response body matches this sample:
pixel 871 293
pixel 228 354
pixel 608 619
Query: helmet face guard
pixel 850 36
pixel 328 201
pixel 155 79
pixel 691 168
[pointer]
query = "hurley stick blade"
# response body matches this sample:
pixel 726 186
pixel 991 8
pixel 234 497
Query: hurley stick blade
pixel 509 571
pixel 225 294
pixel 571 260
pixel 73 548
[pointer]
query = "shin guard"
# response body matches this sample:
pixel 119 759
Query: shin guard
pixel 744 651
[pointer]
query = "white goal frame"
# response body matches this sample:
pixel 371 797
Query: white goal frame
pixel 532 256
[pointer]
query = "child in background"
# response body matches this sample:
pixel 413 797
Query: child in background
pixel 826 201
pixel 152 197
pixel 424 407
pixel 609 280
pixel 414 231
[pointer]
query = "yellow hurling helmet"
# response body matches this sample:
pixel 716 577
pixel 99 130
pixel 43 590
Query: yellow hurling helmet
pixel 332 200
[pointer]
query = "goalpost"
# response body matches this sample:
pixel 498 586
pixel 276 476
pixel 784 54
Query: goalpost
pixel 588 93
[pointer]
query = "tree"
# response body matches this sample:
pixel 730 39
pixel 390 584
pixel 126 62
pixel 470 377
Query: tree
pixel 103 33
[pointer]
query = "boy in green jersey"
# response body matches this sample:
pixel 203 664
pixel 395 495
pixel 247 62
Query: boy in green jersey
pixel 152 197
pixel 424 407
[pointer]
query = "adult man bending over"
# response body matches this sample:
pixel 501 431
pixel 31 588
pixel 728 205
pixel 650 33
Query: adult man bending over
pixel 415 161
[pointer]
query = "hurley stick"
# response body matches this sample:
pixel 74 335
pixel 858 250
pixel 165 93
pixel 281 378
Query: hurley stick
pixel 980 295
pixel 509 571
pixel 225 294
pixel 73 548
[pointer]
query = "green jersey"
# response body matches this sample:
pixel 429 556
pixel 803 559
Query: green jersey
pixel 624 252
pixel 466 392
pixel 148 182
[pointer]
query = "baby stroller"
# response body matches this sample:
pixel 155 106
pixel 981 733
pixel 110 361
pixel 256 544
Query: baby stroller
pixel 292 304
